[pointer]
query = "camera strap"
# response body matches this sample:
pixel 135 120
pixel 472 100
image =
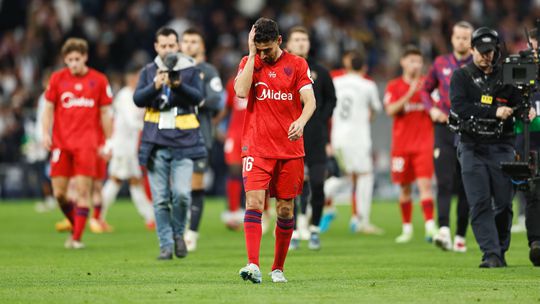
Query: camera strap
pixel 479 80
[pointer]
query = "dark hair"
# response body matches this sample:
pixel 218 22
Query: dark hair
pixel 297 29
pixel 266 30
pixel 411 50
pixel 75 45
pixel 166 31
pixel 357 62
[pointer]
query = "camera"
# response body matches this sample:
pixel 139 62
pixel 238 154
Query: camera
pixel 520 70
pixel 170 62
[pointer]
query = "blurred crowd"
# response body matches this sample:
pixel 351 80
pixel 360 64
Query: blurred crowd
pixel 122 32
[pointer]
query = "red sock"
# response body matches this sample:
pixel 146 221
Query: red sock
pixel 234 193
pixel 81 215
pixel 406 211
pixel 97 212
pixel 253 234
pixel 427 208
pixel 68 210
pixel 354 202
pixel 284 230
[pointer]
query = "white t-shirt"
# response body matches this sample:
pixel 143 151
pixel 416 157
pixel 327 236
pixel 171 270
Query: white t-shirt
pixel 128 123
pixel 356 97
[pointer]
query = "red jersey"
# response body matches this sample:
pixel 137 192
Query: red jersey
pixel 412 130
pixel 77 101
pixel 237 107
pixel 273 105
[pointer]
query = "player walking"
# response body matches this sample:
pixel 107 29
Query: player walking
pixel 275 84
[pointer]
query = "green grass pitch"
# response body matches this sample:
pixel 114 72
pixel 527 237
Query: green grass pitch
pixel 120 267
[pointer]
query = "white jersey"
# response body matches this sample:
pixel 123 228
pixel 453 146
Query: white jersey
pixel 128 123
pixel 356 98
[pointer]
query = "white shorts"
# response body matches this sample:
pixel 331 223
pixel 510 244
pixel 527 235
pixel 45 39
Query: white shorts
pixel 354 159
pixel 125 167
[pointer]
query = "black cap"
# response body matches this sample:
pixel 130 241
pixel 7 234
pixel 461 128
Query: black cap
pixel 485 40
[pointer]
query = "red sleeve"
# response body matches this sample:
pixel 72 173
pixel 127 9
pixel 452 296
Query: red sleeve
pixel 390 95
pixel 229 103
pixel 105 98
pixel 303 76
pixel 241 66
pixel 51 92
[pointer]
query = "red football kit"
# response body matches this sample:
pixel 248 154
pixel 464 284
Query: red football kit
pixel 412 136
pixel 270 160
pixel 233 141
pixel 77 125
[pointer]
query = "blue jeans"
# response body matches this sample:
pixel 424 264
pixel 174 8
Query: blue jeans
pixel 170 183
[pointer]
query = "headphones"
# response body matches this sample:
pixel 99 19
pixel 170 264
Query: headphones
pixel 482 32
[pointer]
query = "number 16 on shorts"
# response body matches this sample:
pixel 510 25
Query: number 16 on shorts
pixel 247 164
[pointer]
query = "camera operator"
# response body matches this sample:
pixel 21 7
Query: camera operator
pixel 170 88
pixel 532 197
pixel 477 95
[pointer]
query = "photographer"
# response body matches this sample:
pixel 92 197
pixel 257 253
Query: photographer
pixel 532 197
pixel 170 88
pixel 477 95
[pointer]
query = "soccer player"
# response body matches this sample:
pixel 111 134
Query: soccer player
pixel 447 168
pixel 124 165
pixel 412 142
pixel 193 45
pixel 315 140
pixel 78 101
pixel 357 102
pixel 275 84
pixel 232 148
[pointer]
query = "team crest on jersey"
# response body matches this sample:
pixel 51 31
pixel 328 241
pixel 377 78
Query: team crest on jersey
pixel 288 71
pixel 272 74
pixel 446 71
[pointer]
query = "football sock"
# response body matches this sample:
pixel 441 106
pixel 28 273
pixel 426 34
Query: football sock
pixel 427 208
pixel 109 193
pixel 196 209
pixel 406 211
pixel 253 234
pixel 81 215
pixel 234 193
pixel 142 203
pixel 364 191
pixel 97 212
pixel 68 208
pixel 284 230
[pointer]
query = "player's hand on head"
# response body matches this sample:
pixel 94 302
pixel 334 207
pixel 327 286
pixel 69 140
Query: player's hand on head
pixel 296 130
pixel 251 41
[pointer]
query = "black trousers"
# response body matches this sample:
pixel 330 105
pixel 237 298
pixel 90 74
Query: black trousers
pixel 532 198
pixel 489 192
pixel 313 192
pixel 448 173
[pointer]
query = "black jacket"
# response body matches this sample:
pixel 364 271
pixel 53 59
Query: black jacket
pixel 468 85
pixel 316 130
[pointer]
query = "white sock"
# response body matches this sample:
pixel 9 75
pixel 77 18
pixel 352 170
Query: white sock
pixel 334 185
pixel 142 203
pixel 302 222
pixel 364 192
pixel 407 228
pixel 109 192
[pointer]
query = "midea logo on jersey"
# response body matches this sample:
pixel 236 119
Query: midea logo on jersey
pixel 265 93
pixel 69 100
